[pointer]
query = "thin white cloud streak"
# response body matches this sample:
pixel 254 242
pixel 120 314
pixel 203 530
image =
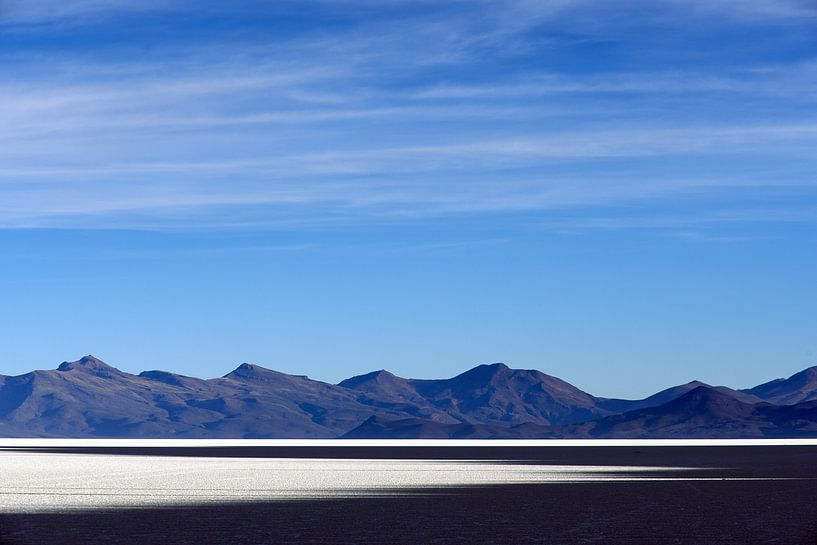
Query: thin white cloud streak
pixel 226 76
pixel 684 225
pixel 309 85
pixel 291 202
pixel 50 11
pixel 793 80
pixel 269 91
pixel 32 99
pixel 511 16
pixel 495 152
pixel 46 125
pixel 753 9
pixel 83 124
pixel 608 143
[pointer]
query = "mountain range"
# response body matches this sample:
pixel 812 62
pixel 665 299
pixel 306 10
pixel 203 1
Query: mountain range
pixel 89 398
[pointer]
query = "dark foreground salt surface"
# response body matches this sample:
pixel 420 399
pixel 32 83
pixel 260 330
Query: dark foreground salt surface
pixel 501 495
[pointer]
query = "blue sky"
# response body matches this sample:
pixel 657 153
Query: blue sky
pixel 621 194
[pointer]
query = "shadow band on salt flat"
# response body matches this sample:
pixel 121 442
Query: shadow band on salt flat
pixel 765 458
pixel 680 512
pixel 648 513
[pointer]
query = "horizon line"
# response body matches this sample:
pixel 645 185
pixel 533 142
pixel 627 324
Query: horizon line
pixel 45 443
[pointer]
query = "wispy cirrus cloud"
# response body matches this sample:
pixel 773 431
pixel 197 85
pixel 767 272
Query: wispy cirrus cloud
pixel 789 80
pixel 510 151
pixel 336 169
pixel 405 110
pixel 50 11
pixel 763 9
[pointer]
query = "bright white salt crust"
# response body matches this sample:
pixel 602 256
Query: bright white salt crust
pixel 41 482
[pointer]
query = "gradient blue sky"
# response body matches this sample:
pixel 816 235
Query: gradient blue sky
pixel 622 194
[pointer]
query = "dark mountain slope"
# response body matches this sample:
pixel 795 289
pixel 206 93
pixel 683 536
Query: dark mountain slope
pixel 289 403
pixel 797 388
pixel 416 428
pixel 88 398
pixel 496 394
pixel 665 396
pixel 700 413
pixel 82 398
pixel 385 390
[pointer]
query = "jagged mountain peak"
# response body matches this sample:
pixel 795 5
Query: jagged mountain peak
pixel 806 375
pixel 706 399
pixel 497 394
pixel 801 386
pixel 87 363
pixel 160 376
pixel 171 379
pixel 89 398
pixel 380 377
pixel 483 373
pixel 247 370
pixel 703 391
pixel 496 367
pixel 499 375
pixel 488 369
pixel 253 372
pixel 672 393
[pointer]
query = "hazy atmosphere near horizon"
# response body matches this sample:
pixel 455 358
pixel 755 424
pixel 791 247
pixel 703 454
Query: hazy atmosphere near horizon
pixel 620 194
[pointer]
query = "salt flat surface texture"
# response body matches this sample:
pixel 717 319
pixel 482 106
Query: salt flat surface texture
pixel 36 482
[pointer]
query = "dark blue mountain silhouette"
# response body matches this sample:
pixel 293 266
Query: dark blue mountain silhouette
pixel 88 398
pixel 797 388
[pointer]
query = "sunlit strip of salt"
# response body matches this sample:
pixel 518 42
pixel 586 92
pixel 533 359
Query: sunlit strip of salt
pixel 18 443
pixel 37 482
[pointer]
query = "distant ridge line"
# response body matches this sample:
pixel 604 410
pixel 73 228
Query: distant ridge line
pixel 88 398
